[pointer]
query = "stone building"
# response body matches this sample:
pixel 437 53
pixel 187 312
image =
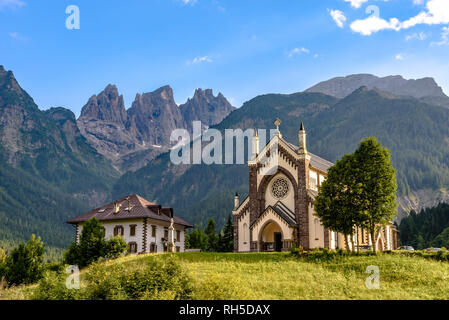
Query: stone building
pixel 284 180
pixel 145 226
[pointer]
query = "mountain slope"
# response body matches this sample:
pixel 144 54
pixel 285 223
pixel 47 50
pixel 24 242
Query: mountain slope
pixel 416 133
pixel 425 89
pixel 49 171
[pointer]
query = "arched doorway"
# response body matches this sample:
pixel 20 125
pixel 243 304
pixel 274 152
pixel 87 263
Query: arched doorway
pixel 271 237
pixel 380 244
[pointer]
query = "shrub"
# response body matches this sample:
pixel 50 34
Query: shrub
pixel 115 247
pixel 92 246
pixel 154 280
pixel 25 265
pixel 52 287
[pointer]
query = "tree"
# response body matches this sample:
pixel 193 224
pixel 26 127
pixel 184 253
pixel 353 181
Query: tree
pixel 212 239
pixel 376 185
pixel 26 265
pixel 3 262
pixel 92 245
pixel 336 204
pixel 116 247
pixel 228 236
pixel 196 239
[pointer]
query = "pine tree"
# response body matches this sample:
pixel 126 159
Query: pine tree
pixel 228 236
pixel 212 239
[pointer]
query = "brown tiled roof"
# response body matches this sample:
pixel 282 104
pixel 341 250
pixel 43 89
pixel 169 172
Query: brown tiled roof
pixel 140 208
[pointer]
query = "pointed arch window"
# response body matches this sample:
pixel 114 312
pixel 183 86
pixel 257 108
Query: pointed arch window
pixel 316 226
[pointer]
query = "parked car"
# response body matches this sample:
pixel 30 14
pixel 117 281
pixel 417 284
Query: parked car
pixel 406 248
pixel 366 248
pixel 433 249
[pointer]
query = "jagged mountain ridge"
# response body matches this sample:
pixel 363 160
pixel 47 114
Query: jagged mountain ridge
pixel 425 89
pixel 131 138
pixel 48 171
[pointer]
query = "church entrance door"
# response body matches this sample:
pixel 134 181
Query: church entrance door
pixel 278 241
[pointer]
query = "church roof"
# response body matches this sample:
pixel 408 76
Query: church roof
pixel 282 211
pixel 315 161
pixel 139 208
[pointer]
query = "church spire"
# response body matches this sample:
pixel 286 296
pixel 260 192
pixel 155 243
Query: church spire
pixel 255 145
pixel 302 140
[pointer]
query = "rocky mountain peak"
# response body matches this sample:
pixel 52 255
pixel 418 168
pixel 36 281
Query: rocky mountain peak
pixel 107 105
pixel 206 107
pixel 341 87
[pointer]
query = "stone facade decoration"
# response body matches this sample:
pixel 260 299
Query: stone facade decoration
pixel 145 226
pixel 284 180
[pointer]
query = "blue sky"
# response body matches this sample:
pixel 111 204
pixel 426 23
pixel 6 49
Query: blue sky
pixel 241 48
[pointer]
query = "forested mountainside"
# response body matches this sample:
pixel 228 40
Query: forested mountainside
pixel 416 133
pixel 48 170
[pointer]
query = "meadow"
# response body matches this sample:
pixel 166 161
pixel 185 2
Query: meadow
pixel 266 276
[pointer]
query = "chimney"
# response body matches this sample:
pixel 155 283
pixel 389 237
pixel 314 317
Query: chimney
pixel 236 201
pixel 302 140
pixel 116 208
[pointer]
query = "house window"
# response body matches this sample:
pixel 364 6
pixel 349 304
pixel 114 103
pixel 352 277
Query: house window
pixel 153 248
pixel 165 249
pixel 103 229
pixel 313 180
pixel 132 247
pixel 178 249
pixel 178 236
pixel 153 231
pixel 132 230
pixel 166 233
pixel 118 230
pixel 245 233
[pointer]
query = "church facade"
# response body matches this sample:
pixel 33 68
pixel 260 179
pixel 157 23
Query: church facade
pixel 284 180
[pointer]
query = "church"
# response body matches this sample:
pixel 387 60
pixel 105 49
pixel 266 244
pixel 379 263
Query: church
pixel 284 180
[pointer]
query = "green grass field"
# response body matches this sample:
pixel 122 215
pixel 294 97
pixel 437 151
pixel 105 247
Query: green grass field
pixel 280 276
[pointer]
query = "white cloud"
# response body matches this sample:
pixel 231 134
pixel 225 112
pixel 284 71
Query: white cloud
pixel 191 2
pixel 356 3
pixel 416 36
pixel 399 56
pixel 437 12
pixel 374 24
pixel 199 60
pixel 338 17
pixel 11 4
pixel 296 51
pixel 418 2
pixel 444 38
pixel 17 36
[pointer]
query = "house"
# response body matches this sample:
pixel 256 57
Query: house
pixel 146 227
pixel 284 180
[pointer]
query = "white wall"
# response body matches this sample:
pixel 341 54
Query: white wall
pixel 138 238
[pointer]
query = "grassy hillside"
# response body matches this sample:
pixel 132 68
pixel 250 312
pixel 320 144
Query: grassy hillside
pixel 275 276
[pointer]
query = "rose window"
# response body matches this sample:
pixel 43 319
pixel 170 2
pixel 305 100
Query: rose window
pixel 280 188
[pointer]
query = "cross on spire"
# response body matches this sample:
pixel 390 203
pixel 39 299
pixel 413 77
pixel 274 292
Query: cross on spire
pixel 277 123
